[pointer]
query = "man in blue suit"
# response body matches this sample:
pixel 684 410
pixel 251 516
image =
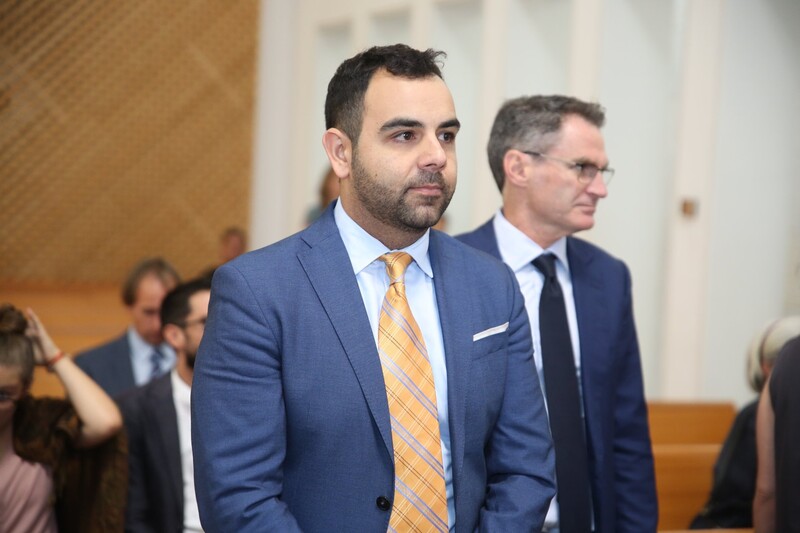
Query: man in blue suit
pixel 548 158
pixel 140 354
pixel 291 421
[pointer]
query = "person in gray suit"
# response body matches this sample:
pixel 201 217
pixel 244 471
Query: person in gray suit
pixel 139 354
pixel 161 479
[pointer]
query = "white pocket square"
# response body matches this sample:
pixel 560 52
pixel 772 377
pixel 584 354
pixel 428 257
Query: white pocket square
pixel 489 332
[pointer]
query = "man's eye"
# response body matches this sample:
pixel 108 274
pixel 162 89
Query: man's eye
pixel 587 169
pixel 448 136
pixel 405 135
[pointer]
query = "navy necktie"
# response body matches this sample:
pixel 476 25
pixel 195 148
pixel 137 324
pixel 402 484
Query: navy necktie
pixel 563 404
pixel 155 363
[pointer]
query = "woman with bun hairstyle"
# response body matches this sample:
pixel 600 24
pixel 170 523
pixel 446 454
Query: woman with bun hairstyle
pixel 63 464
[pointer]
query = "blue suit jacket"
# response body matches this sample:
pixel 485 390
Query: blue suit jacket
pixel 109 365
pixel 155 487
pixel 290 422
pixel 620 454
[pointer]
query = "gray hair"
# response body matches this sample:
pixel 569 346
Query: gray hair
pixel 534 123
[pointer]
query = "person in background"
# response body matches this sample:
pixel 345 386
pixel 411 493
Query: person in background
pixel 730 504
pixel 775 506
pixel 232 244
pixel 368 374
pixel 548 158
pixel 161 494
pixel 328 192
pixel 140 354
pixel 63 463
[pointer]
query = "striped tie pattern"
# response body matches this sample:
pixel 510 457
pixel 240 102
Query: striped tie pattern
pixel 420 498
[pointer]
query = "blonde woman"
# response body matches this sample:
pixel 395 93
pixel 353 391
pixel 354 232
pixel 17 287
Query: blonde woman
pixel 730 502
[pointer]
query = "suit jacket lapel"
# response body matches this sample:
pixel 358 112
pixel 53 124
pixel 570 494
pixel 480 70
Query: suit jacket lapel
pixel 485 238
pixel 162 406
pixel 330 273
pixel 450 284
pixel 588 287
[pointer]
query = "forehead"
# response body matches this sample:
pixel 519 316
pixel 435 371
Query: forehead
pixel 427 100
pixel 9 376
pixel 150 289
pixel 198 302
pixel 579 137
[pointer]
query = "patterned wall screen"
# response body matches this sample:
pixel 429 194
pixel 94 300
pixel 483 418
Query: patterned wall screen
pixel 125 131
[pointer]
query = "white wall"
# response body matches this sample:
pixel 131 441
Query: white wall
pixel 755 186
pixel 701 98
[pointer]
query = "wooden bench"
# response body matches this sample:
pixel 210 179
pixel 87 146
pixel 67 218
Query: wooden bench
pixel 690 422
pixel 687 438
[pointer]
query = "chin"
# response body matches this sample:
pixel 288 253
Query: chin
pixel 584 226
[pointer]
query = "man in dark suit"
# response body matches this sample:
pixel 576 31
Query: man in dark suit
pixel 139 354
pixel 304 418
pixel 548 158
pixel 161 494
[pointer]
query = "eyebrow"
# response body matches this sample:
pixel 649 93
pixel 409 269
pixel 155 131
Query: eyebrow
pixel 585 161
pixel 413 123
pixel 452 123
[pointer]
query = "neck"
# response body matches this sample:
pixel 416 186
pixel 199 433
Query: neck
pixel 538 233
pixel 392 237
pixel 184 372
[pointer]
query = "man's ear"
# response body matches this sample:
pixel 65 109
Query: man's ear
pixel 339 150
pixel 174 336
pixel 515 167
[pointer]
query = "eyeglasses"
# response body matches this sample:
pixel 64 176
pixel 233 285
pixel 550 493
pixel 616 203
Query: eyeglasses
pixel 201 321
pixel 586 171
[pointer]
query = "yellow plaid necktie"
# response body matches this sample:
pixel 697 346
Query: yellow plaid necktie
pixel 420 498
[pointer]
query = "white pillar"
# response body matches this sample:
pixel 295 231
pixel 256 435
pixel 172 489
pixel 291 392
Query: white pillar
pixel 686 275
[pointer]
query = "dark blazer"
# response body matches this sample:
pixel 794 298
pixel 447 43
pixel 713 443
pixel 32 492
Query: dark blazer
pixel 620 454
pixel 155 493
pixel 730 504
pixel 290 422
pixel 109 365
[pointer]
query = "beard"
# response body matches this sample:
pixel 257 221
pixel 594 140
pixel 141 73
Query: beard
pixel 398 208
pixel 190 357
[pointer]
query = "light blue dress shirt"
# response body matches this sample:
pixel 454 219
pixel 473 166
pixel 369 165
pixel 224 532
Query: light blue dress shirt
pixel 140 357
pixel 373 282
pixel 518 252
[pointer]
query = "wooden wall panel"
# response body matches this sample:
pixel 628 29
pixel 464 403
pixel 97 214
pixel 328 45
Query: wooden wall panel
pixel 125 131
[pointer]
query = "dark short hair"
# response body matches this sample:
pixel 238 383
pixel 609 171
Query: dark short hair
pixel 533 123
pixel 155 266
pixel 344 104
pixel 16 348
pixel 175 307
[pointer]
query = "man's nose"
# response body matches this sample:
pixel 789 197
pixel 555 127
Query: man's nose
pixel 433 156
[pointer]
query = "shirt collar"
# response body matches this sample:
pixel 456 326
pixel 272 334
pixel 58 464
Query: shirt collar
pixel 363 249
pixel 140 348
pixel 181 390
pixel 518 250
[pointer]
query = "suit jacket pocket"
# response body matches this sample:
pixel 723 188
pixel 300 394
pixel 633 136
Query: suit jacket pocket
pixel 488 345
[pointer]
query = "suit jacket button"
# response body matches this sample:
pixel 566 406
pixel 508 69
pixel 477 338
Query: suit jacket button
pixel 383 504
